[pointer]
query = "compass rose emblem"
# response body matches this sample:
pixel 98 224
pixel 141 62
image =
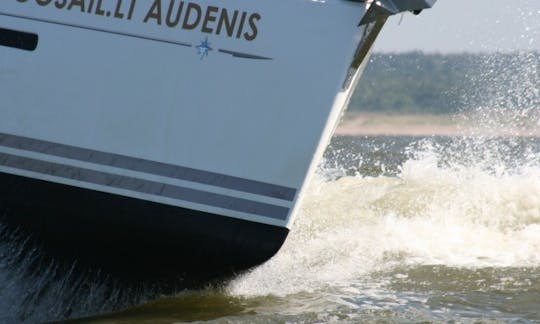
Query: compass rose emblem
pixel 203 48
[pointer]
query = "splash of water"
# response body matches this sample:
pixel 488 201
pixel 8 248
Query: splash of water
pixel 470 202
pixel 428 215
pixel 36 288
pixel 504 98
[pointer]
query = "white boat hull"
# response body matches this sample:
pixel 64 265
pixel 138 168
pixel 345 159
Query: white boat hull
pixel 219 115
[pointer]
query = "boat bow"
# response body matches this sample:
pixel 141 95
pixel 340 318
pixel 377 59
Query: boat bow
pixel 382 9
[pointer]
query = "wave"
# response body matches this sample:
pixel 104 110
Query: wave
pixel 429 213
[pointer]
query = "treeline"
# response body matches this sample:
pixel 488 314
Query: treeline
pixel 433 83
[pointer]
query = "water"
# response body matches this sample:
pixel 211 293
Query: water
pixel 392 229
pixel 408 232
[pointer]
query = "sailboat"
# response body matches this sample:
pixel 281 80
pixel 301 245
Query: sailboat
pixel 173 134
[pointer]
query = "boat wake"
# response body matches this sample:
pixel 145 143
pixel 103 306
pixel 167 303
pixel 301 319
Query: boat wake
pixel 431 212
pixel 382 205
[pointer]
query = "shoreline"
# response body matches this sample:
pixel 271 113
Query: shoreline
pixel 384 124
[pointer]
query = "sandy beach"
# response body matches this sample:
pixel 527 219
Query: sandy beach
pixel 375 124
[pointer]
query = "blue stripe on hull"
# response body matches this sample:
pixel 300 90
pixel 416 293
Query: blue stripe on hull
pixel 147 166
pixel 56 170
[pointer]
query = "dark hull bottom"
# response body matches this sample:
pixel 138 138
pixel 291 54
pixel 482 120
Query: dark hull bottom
pixel 131 238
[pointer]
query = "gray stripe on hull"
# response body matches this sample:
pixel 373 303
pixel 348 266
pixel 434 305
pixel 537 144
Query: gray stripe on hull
pixel 144 186
pixel 147 166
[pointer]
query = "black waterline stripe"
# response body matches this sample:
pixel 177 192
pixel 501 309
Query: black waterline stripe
pixel 147 166
pixel 54 22
pixel 143 186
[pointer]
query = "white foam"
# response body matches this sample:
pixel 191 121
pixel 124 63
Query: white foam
pixel 354 226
